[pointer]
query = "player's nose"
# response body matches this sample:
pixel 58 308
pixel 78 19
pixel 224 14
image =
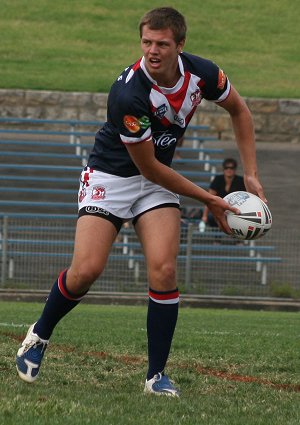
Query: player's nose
pixel 153 49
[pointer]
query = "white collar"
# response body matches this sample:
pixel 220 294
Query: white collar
pixel 166 90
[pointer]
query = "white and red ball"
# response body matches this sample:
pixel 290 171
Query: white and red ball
pixel 254 220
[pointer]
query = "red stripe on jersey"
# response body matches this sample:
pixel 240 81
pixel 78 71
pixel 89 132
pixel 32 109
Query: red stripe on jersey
pixel 189 116
pixel 137 65
pixel 165 122
pixel 176 99
pixel 201 84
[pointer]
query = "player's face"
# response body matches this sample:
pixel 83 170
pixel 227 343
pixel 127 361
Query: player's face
pixel 161 55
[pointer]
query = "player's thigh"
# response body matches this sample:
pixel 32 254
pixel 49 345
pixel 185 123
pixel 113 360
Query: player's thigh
pixel 93 240
pixel 159 233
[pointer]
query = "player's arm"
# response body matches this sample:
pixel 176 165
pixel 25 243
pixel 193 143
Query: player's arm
pixel 244 133
pixel 143 156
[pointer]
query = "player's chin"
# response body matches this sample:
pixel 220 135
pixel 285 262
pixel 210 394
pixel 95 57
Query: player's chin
pixel 156 72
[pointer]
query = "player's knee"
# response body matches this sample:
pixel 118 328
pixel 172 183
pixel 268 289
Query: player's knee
pixel 163 274
pixel 81 278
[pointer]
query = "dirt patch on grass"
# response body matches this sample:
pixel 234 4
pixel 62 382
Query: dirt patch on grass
pixel 141 360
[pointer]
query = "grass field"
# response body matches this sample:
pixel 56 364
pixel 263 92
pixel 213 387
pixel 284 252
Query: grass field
pixel 83 46
pixel 233 368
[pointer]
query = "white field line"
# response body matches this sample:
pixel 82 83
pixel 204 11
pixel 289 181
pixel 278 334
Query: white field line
pixel 13 325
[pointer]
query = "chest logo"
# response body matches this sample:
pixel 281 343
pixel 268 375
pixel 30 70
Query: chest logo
pixel 161 111
pixel 196 98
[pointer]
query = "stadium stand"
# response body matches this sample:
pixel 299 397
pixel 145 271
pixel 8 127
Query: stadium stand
pixel 35 158
pixel 35 155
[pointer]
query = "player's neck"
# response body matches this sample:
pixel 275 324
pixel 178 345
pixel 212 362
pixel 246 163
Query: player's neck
pixel 169 81
pixel 166 80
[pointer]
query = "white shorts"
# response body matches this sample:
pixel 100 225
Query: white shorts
pixel 124 197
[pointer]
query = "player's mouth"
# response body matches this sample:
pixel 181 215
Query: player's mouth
pixel 154 62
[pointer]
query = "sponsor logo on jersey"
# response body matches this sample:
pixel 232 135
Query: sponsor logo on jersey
pixel 134 124
pixel 163 140
pixel 179 120
pixel 131 123
pixel 196 98
pixel 98 192
pixel 221 79
pixel 161 111
pixel 144 122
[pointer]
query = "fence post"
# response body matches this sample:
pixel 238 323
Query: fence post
pixel 264 275
pixel 195 140
pixel 4 249
pixel 72 137
pixel 131 260
pixel 252 251
pixel 188 261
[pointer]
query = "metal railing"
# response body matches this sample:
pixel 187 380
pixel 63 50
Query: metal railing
pixel 34 250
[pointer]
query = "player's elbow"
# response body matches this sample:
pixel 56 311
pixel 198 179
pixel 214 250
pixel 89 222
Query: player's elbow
pixel 149 174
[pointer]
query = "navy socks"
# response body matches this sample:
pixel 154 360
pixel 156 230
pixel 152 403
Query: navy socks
pixel 59 302
pixel 161 320
pixel 161 323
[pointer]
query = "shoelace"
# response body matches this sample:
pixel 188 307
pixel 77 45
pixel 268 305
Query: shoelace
pixel 34 344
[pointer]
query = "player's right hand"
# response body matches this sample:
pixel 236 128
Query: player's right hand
pixel 218 208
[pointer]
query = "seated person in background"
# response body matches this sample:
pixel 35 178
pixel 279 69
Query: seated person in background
pixel 222 185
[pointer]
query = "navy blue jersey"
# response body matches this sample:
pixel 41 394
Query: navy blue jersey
pixel 138 110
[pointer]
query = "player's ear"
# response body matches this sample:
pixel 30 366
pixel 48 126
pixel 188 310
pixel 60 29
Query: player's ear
pixel 180 46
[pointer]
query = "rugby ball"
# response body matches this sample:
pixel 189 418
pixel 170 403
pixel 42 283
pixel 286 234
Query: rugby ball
pixel 254 220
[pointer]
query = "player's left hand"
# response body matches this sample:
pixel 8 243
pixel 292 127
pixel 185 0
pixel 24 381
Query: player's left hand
pixel 254 186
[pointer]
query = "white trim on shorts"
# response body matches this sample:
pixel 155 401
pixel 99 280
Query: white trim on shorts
pixel 124 197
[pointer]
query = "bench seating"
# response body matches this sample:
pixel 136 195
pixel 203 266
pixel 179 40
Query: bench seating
pixel 44 158
pixel 129 250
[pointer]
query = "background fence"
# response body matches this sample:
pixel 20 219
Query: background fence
pixel 34 250
pixel 39 169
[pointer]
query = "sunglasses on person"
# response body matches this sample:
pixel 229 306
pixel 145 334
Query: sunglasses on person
pixel 229 167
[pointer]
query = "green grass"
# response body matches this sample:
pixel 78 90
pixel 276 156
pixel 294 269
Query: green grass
pixel 233 368
pixel 84 45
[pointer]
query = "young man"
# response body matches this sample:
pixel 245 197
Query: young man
pixel 222 185
pixel 128 177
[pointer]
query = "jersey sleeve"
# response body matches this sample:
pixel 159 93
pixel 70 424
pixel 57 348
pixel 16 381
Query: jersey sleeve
pixel 129 112
pixel 135 129
pixel 216 84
